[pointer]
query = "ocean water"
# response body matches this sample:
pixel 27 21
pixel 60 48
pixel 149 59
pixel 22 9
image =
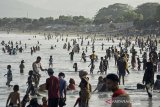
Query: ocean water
pixel 62 63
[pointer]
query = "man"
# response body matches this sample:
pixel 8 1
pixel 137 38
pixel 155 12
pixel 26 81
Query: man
pixel 63 89
pixel 71 55
pixel 36 69
pixel 106 64
pixel 148 77
pixel 84 56
pixel 119 98
pixel 53 87
pixel 92 57
pixel 101 66
pixel 121 65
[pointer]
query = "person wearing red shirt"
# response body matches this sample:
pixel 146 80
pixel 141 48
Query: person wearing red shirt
pixel 53 87
pixel 119 98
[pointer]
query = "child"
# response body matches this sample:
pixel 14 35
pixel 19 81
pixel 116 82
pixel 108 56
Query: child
pixel 21 66
pixel 71 85
pixel 9 75
pixel 30 85
pixel 78 101
pixel 44 100
pixel 14 97
pixel 25 100
pixel 51 61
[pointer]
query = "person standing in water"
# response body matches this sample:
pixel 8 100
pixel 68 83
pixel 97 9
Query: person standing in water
pixel 9 75
pixel 92 57
pixel 14 97
pixel 75 66
pixel 53 87
pixel 36 69
pixel 84 56
pixel 63 89
pixel 105 65
pixel 101 66
pixel 148 78
pixel 51 61
pixel 85 89
pixel 71 55
pixel 119 98
pixel 21 66
pixel 30 89
pixel 121 65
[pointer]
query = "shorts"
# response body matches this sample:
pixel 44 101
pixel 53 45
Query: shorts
pixel 53 102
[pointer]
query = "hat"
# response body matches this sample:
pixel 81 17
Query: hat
pixel 50 70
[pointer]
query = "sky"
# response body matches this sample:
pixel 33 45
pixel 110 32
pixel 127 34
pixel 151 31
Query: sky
pixel 86 8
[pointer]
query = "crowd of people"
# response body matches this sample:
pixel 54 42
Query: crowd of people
pixel 57 86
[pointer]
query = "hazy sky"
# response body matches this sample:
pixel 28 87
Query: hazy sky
pixel 87 8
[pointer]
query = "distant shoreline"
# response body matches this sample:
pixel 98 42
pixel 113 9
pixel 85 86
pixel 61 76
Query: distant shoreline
pixel 41 32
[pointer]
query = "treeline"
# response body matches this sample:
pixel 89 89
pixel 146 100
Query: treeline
pixel 144 16
pixel 27 23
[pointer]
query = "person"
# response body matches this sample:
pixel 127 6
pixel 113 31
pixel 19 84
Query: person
pixel 119 98
pixel 25 100
pixel 21 66
pixel 9 75
pixel 144 60
pixel 139 63
pixel 78 101
pixel 36 69
pixel 148 78
pixel 157 83
pixel 121 65
pixel 53 87
pixel 71 85
pixel 51 61
pixel 63 89
pixel 106 64
pixel 75 67
pixel 85 88
pixel 101 66
pixel 30 84
pixel 14 97
pixel 84 56
pixel 116 56
pixel 71 55
pixel 133 59
pixel 126 59
pixel 100 84
pixel 33 103
pixel 44 102
pixel 92 57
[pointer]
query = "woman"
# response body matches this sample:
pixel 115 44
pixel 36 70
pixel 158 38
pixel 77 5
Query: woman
pixel 85 88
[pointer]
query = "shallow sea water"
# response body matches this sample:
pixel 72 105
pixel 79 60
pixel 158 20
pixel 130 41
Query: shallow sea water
pixel 62 63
